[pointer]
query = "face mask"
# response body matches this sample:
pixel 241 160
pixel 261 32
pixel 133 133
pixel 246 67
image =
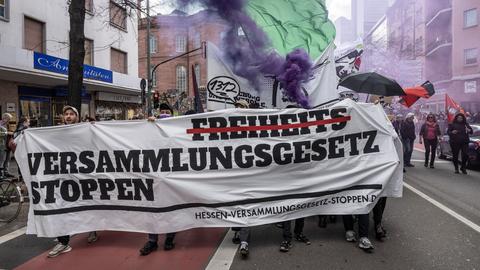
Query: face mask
pixel 165 116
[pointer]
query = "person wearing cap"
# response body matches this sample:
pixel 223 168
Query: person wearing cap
pixel 152 243
pixel 70 116
pixel 407 131
pixel 242 104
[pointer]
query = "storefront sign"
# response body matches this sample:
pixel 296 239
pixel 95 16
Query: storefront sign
pixel 59 65
pixel 119 98
pixel 470 87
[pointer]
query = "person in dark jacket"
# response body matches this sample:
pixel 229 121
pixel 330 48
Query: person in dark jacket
pixel 152 244
pixel 397 123
pixel 407 132
pixel 458 132
pixel 429 132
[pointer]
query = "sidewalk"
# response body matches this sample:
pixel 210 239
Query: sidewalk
pixel 120 250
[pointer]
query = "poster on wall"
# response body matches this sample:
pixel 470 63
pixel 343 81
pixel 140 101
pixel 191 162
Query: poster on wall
pixel 11 107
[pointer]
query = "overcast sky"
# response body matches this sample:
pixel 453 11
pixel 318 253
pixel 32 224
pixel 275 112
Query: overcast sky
pixel 336 8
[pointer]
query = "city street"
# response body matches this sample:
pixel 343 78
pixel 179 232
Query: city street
pixel 434 226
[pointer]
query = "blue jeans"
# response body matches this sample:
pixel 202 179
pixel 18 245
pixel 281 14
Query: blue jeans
pixel 407 150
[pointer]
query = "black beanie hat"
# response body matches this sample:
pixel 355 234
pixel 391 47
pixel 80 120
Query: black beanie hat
pixel 164 106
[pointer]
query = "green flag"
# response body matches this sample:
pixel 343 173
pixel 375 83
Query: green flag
pixel 292 24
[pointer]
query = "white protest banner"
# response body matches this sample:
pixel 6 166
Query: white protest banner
pixel 224 88
pixel 218 169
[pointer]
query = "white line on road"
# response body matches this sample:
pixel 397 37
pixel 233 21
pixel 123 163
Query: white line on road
pixel 444 208
pixel 223 257
pixel 436 162
pixel 14 234
pixel 419 149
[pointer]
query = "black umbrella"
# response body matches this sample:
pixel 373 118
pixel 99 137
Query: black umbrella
pixel 372 83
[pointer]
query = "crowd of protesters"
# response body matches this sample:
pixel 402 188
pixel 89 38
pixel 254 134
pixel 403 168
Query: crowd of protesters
pixel 428 127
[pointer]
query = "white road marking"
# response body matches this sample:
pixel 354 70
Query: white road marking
pixel 444 208
pixel 223 257
pixel 436 161
pixel 419 149
pixel 14 234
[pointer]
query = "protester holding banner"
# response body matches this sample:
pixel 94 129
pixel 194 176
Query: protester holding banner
pixel 459 131
pixel 70 116
pixel 242 234
pixel 429 132
pixel 363 222
pixel 152 243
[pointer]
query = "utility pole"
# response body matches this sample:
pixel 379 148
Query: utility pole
pixel 149 68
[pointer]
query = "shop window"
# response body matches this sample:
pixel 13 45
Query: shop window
pixel 88 60
pixel 470 18
pixel 180 44
pixel 37 109
pixel 34 35
pixel 471 56
pixel 153 44
pixel 181 77
pixel 4 9
pixel 118 61
pixel 118 15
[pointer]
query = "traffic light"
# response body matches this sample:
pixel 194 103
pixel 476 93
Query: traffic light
pixel 156 100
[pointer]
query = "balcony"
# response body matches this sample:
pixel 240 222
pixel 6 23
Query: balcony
pixel 435 8
pixel 438 43
pixel 442 16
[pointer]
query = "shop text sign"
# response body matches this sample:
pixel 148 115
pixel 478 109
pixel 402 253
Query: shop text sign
pixel 119 98
pixel 59 65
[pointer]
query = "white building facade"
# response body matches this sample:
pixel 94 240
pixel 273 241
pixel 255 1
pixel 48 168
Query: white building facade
pixel 34 51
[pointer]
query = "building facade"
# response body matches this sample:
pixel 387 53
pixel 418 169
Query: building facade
pixel 395 46
pixel 452 52
pixel 173 35
pixel 345 31
pixel 34 41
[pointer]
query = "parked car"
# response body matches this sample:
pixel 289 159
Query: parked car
pixel 445 151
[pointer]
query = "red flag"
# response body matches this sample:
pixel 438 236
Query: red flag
pixel 426 90
pixel 452 108
pixel 412 95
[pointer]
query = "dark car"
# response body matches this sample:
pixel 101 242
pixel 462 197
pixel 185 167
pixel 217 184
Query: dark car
pixel 445 151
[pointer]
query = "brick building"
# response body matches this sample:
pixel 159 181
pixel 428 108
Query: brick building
pixel 173 35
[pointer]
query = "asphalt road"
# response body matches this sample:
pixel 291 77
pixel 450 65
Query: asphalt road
pixel 420 235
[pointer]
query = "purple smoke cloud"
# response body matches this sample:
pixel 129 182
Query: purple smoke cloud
pixel 252 54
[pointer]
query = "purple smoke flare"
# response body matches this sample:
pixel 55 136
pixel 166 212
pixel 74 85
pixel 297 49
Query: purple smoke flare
pixel 251 54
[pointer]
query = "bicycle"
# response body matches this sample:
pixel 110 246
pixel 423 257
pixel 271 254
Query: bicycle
pixel 11 199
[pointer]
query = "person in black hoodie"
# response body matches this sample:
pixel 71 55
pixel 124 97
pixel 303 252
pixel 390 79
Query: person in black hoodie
pixel 458 132
pixel 407 132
